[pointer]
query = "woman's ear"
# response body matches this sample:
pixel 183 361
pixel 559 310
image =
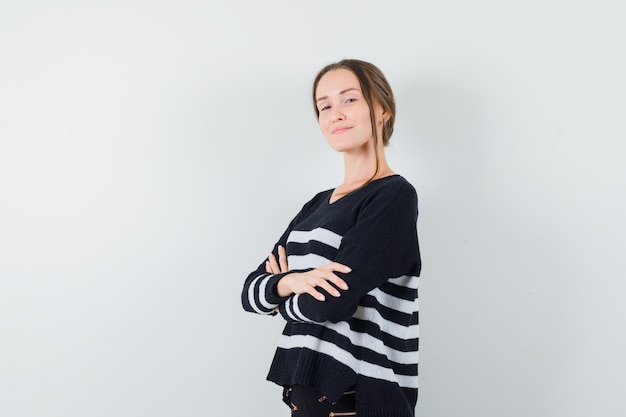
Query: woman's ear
pixel 381 113
pixel 384 114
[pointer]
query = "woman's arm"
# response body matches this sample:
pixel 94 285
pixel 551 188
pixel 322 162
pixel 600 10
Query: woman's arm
pixel 272 282
pixel 259 293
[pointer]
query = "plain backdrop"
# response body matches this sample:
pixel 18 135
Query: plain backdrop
pixel 151 152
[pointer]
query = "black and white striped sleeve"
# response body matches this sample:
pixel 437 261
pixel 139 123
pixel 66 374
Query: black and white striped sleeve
pixel 259 290
pixel 258 295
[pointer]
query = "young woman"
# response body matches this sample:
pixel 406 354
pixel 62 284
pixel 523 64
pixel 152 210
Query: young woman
pixel 344 274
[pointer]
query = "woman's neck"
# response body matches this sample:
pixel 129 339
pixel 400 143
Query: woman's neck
pixel 360 169
pixel 364 165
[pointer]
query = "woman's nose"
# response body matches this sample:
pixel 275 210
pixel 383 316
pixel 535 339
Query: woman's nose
pixel 338 115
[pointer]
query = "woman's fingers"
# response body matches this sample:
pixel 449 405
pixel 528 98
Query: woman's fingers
pixel 325 279
pixel 271 266
pixel 313 283
pixel 282 259
pixel 316 294
pixel 310 282
pixel 336 267
pixel 325 284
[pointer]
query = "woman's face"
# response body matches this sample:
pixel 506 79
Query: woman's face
pixel 344 115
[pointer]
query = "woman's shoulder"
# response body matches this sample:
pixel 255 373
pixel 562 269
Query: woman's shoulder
pixel 392 186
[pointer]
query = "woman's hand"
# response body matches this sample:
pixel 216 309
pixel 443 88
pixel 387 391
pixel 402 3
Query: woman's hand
pixel 272 266
pixel 306 282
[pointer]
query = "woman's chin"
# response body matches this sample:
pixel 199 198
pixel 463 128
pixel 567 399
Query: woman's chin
pixel 348 148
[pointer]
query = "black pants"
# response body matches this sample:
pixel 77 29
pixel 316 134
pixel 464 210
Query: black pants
pixel 307 402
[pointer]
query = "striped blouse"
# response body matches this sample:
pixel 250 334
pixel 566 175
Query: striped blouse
pixel 366 339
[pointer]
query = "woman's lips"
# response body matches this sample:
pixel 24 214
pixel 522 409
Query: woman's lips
pixel 339 130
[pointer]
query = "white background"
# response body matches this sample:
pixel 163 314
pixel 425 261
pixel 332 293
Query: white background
pixel 151 152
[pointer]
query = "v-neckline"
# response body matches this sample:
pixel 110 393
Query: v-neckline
pixel 331 202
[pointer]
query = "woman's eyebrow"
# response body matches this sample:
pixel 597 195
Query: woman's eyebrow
pixel 340 93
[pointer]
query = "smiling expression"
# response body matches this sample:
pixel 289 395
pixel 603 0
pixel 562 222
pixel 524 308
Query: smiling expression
pixel 344 115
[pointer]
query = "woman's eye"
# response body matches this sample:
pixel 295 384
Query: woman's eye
pixel 350 100
pixel 324 108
